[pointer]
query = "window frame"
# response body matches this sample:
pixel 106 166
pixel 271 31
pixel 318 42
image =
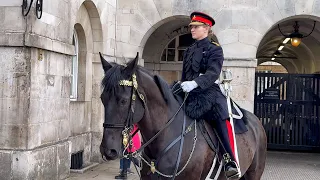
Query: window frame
pixel 74 69
pixel 176 48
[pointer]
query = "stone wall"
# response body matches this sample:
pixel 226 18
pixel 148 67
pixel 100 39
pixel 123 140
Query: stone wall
pixel 40 126
pixel 49 98
pixel 14 97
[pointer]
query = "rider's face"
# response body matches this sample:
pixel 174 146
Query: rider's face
pixel 199 32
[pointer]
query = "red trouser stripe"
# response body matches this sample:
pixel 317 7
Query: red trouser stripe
pixel 230 134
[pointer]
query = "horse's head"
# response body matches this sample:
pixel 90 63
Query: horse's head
pixel 123 105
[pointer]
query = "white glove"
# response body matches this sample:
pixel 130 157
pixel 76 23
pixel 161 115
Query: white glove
pixel 188 86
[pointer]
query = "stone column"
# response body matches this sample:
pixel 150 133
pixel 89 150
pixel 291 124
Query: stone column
pixel 243 71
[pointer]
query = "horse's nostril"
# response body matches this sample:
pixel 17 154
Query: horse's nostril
pixel 113 153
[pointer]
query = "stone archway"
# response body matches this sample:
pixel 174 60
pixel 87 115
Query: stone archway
pixel 287 101
pixel 166 33
pixel 271 67
pixel 303 59
pixel 164 47
pixel 90 41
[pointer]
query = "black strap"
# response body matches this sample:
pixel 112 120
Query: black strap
pixel 105 125
pixel 173 143
pixel 167 124
pixel 181 147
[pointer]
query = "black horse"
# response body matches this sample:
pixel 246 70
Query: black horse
pixel 132 95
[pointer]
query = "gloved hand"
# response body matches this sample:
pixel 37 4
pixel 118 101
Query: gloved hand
pixel 188 86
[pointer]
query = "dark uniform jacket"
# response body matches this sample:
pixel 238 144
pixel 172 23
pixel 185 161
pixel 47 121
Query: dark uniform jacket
pixel 206 101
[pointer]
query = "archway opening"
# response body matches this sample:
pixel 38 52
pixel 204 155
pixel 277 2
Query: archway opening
pixel 271 67
pixel 304 59
pixel 164 48
pixel 287 102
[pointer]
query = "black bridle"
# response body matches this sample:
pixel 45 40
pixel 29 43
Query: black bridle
pixel 127 127
pixel 129 121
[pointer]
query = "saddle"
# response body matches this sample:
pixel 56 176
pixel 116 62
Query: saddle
pixel 240 121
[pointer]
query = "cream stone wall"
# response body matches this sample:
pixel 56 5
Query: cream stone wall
pixel 41 127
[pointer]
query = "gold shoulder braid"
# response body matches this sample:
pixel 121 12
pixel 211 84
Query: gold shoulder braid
pixel 215 43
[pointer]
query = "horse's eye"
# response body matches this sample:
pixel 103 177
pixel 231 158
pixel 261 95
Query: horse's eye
pixel 123 101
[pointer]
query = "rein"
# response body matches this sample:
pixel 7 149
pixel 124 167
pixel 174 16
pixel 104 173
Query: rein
pixel 127 136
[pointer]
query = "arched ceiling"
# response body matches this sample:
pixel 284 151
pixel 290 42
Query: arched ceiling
pixel 301 59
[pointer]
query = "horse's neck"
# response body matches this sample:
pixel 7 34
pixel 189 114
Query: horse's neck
pixel 157 114
pixel 156 117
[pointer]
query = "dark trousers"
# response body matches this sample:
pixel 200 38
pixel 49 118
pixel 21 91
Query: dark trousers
pixel 125 163
pixel 222 131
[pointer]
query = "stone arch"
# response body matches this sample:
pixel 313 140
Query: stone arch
pixel 271 67
pixel 96 26
pixel 83 24
pixel 288 66
pixel 172 29
pixel 155 41
pixel 305 56
pixel 88 26
pixel 89 18
pixel 161 23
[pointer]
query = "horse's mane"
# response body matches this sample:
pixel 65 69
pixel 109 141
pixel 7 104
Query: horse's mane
pixel 110 81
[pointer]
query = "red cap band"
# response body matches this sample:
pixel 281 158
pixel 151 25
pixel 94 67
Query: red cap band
pixel 201 19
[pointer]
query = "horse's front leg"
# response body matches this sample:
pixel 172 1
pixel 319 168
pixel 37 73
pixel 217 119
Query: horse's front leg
pixel 145 172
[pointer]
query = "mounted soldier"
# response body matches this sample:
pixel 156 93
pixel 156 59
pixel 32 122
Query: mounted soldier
pixel 202 65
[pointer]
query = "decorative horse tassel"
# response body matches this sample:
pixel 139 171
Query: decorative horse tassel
pixel 153 167
pixel 125 139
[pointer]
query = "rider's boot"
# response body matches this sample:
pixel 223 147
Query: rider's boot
pixel 231 167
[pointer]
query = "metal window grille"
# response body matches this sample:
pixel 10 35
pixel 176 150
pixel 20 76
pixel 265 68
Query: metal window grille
pixel 77 160
pixel 173 52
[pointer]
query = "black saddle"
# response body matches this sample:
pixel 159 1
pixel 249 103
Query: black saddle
pixel 239 124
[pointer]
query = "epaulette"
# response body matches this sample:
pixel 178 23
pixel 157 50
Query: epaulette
pixel 215 43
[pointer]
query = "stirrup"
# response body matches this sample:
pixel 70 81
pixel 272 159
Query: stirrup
pixel 233 164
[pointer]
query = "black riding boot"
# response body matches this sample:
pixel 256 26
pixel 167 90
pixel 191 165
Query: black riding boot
pixel 230 166
pixel 123 175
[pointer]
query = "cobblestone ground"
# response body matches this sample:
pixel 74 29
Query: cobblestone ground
pixel 279 166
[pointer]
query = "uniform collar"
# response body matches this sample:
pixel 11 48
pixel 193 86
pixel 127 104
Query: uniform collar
pixel 202 42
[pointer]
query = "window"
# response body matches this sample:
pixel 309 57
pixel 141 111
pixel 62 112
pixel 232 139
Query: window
pixel 74 68
pixel 175 49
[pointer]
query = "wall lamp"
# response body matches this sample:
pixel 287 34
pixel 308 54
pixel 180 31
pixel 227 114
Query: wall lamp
pixel 26 7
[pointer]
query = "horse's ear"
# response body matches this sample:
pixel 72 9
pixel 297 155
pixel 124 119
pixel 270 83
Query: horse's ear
pixel 132 66
pixel 105 65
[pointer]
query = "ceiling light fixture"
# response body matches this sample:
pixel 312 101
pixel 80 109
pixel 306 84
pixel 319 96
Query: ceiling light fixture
pixel 296 36
pixel 286 40
pixel 277 53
